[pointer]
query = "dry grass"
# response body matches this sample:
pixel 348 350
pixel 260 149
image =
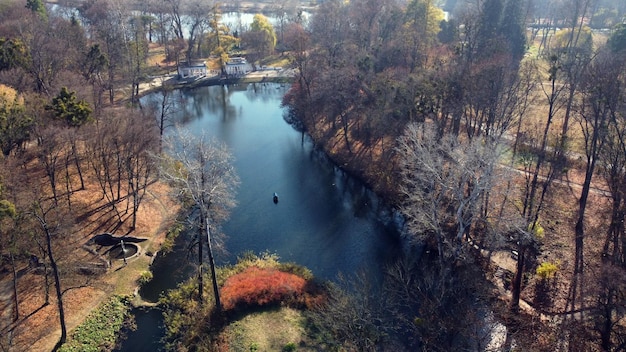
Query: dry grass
pixel 267 331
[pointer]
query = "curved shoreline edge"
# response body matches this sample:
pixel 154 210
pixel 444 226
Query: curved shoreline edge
pixel 269 76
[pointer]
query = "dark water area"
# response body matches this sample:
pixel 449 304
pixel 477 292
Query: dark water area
pixel 324 219
pixel 149 332
pixel 168 270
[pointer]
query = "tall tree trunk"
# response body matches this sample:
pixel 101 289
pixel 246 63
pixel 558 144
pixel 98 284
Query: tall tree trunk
pixel 57 284
pixel 68 183
pixel 216 290
pixel 595 145
pixel 15 297
pixel 77 164
pixel 516 284
pixel 579 231
pixel 200 261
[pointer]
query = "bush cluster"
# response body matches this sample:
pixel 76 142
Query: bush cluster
pixel 100 330
pixel 145 277
pixel 547 270
pixel 170 238
pixel 261 287
pixel 254 282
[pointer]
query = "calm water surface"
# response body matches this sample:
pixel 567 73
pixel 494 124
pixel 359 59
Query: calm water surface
pixel 324 219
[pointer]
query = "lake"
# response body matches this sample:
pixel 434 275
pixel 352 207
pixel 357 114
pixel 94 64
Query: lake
pixel 324 220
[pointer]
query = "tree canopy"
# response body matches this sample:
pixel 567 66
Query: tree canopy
pixel 264 34
pixel 13 53
pixel 617 40
pixel 15 124
pixel 68 108
pixel 37 7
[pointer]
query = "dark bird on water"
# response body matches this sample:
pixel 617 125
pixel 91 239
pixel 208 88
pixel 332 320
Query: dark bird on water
pixel 275 198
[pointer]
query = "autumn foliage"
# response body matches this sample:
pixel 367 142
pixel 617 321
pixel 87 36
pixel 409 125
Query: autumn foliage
pixel 258 287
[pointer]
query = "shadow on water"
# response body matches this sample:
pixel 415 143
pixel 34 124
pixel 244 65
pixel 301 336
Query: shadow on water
pixel 147 337
pixel 168 271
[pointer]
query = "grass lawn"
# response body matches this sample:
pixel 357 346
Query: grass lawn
pixel 280 329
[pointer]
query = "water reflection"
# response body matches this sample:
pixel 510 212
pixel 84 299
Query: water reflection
pixel 208 101
pixel 325 219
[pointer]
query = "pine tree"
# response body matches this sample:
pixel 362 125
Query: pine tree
pixel 37 7
pixel 488 27
pixel 512 29
pixel 617 40
pixel 66 107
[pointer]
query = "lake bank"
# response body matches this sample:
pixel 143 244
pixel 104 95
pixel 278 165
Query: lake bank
pixel 269 75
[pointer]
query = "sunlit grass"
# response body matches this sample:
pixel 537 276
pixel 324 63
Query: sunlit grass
pixel 267 331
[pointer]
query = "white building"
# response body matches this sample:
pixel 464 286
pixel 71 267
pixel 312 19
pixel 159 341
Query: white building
pixel 238 66
pixel 196 69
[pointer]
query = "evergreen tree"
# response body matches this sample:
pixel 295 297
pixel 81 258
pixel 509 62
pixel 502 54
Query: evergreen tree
pixel 37 7
pixel 449 31
pixel 617 40
pixel 13 53
pixel 488 28
pixel 15 124
pixel 66 107
pixel 512 29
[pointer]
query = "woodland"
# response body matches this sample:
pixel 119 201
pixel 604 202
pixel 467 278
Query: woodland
pixel 496 128
pixel 497 133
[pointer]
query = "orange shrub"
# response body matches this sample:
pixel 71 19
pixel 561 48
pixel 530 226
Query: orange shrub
pixel 262 286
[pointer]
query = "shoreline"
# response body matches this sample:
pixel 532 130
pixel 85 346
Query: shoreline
pixel 173 82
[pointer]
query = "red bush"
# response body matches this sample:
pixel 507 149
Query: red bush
pixel 261 287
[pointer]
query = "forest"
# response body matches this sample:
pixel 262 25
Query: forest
pixel 504 128
pixel 495 127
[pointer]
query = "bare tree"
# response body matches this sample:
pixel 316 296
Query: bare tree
pixel 50 153
pixel 165 108
pixel 50 50
pixel 283 11
pixel 198 14
pixel 104 157
pixel 601 96
pixel 442 181
pixel 119 153
pixel 8 243
pixel 139 142
pixel 201 172
pixel 176 16
pixel 608 307
pixel 330 28
pixel 44 213
pixel 573 56
pixel 425 299
pixel 355 316
pixel 611 164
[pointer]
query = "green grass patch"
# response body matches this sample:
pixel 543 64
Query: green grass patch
pixel 100 330
pixel 275 61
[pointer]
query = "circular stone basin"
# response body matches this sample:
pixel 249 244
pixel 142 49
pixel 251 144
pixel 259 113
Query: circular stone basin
pixel 130 249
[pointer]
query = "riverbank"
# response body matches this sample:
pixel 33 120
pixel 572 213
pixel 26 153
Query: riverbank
pixel 543 303
pixel 171 80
